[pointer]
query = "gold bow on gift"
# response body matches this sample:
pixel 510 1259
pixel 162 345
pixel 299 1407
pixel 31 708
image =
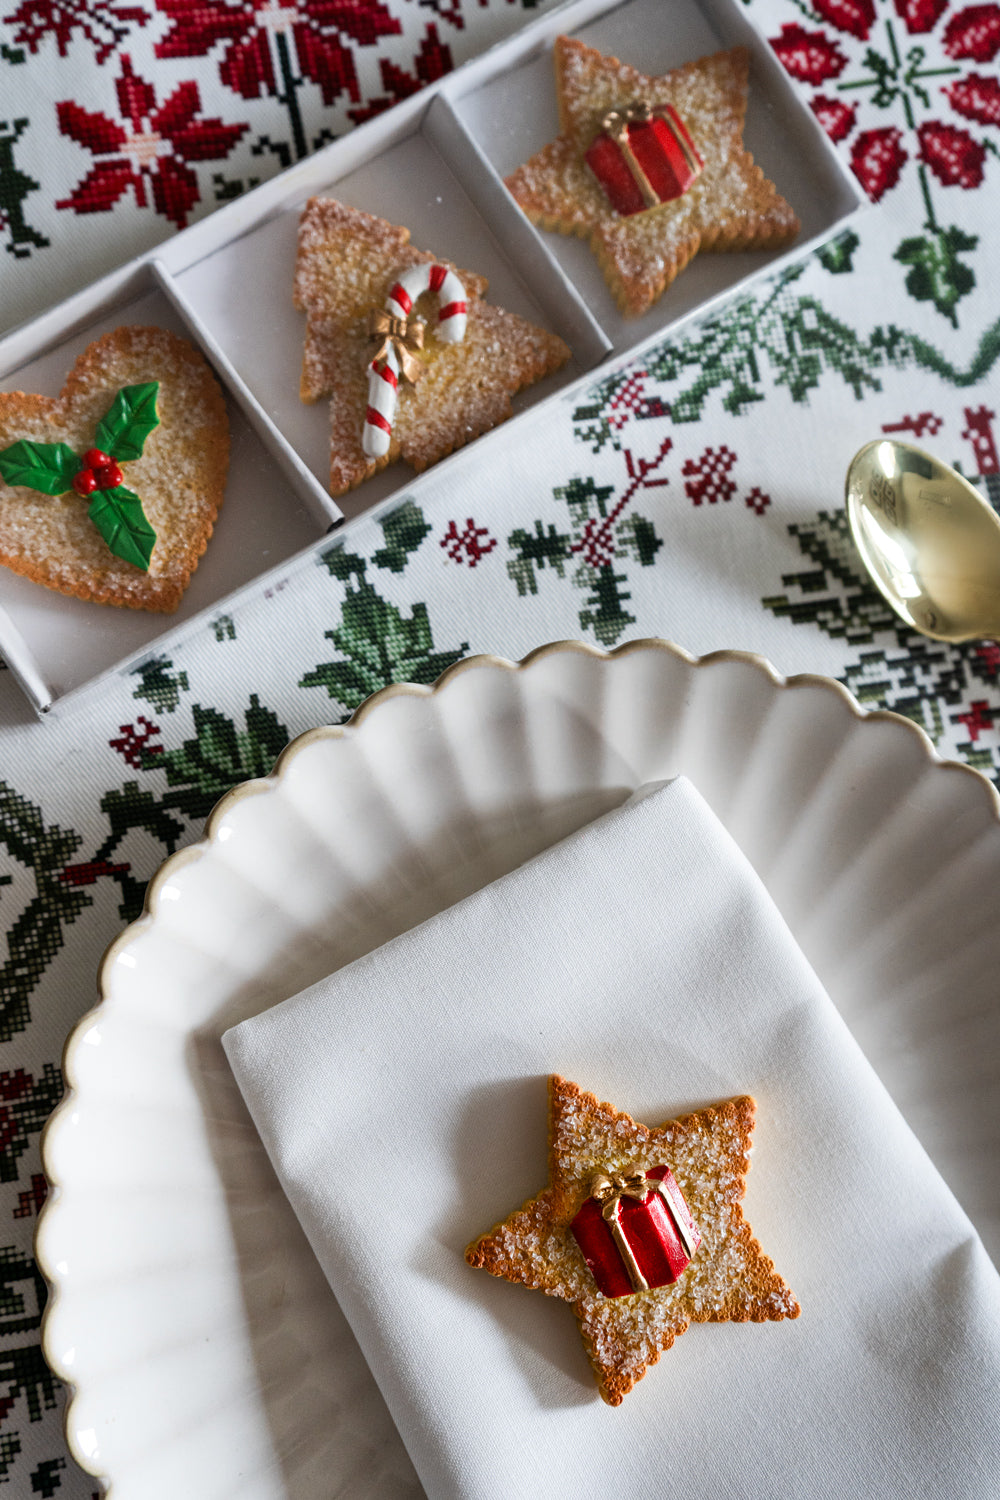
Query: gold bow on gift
pixel 404 336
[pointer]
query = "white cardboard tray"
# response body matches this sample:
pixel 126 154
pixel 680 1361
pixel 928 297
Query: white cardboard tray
pixel 434 163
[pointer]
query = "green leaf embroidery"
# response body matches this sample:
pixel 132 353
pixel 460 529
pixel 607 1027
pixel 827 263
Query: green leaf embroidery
pixel 119 517
pixel 129 420
pixel 48 467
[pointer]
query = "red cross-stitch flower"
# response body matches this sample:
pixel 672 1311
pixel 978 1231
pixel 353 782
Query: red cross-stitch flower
pixel 469 545
pixel 137 742
pixel 707 478
pixel 979 717
pixel 246 28
pixel 99 22
pixel 758 501
pixel 151 149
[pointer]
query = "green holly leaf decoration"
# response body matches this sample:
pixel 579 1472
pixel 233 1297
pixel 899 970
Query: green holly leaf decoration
pixel 119 517
pixel 129 420
pixel 48 467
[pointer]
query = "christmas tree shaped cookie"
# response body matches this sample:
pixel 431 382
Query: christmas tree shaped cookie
pixel 111 492
pixel 651 169
pixel 641 1229
pixel 414 361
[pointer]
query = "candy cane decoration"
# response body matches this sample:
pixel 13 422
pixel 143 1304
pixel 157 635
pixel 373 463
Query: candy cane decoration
pixel 390 362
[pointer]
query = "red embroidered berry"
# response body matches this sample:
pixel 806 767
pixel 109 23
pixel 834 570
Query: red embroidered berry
pixel 809 56
pixel 110 475
pixel 854 16
pixel 836 117
pixel 977 98
pixel 877 157
pixel 85 482
pixel 974 32
pixel 952 155
pixel 920 16
pixel 96 458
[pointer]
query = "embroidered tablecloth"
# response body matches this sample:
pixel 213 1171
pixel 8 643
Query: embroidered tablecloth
pixel 694 495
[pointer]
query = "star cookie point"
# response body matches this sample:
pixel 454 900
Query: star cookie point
pixel 641 1229
pixel 651 169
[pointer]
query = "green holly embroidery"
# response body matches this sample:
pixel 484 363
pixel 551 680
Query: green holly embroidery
pixel 52 469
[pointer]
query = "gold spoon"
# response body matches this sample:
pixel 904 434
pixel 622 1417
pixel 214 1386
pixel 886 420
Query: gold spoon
pixel 929 540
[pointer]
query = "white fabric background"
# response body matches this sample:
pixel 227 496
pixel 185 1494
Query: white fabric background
pixel 403 1102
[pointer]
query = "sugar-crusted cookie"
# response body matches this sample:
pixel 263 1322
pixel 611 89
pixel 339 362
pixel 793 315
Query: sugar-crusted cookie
pixel 444 382
pixel 641 1229
pixel 679 135
pixel 111 491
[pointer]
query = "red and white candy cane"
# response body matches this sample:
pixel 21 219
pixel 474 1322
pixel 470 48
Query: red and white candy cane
pixel 384 370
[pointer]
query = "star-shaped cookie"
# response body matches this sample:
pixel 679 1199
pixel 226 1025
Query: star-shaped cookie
pixel 729 1277
pixel 730 206
pixel 346 266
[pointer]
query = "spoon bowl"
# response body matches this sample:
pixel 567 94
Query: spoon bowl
pixel 928 539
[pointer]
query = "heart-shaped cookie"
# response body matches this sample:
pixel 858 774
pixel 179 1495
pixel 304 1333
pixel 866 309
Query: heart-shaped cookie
pixel 154 394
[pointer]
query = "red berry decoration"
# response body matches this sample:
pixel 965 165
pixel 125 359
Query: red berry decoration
pixel 96 458
pixel 85 482
pixel 854 16
pixel 110 476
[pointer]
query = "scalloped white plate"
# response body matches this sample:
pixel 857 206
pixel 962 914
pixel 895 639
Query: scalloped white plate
pixel 206 1353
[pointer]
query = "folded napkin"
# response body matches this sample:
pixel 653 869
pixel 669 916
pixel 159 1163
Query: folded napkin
pixel 403 1103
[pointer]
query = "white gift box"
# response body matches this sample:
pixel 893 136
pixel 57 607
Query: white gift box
pixel 434 163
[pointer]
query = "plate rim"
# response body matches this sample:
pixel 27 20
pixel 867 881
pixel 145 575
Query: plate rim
pixel 261 785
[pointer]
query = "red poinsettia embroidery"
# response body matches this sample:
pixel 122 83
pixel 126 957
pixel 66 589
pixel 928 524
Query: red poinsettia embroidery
pixel 878 157
pixel 974 32
pixel 836 117
pixel 977 98
pixel 809 56
pixel 248 30
pixel 432 61
pixel 952 155
pixel 151 149
pixel 99 22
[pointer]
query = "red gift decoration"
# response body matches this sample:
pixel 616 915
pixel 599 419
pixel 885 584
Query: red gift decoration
pixel 642 157
pixel 635 1231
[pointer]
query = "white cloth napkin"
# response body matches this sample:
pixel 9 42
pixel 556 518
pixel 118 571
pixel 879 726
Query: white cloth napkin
pixel 403 1103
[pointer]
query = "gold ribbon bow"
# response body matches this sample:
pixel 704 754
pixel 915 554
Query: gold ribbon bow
pixel 608 1189
pixel 617 121
pixel 404 336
